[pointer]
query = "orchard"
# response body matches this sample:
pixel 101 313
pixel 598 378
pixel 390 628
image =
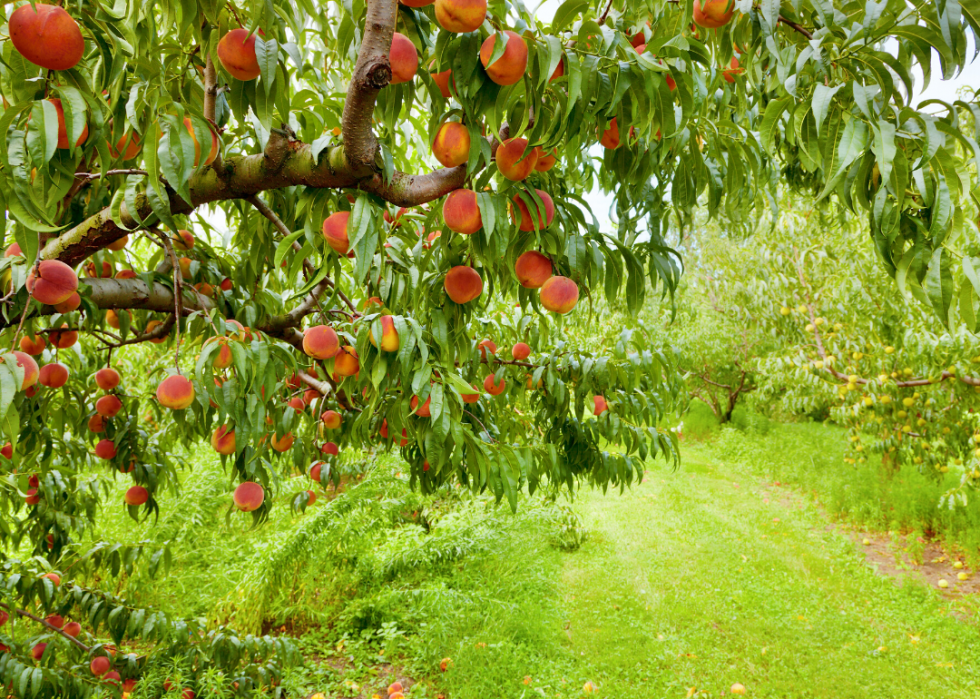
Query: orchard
pixel 291 231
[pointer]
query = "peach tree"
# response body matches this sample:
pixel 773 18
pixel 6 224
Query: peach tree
pixel 312 228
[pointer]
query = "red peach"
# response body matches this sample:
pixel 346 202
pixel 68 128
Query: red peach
pixel 422 411
pixel 451 146
pixel 31 371
pixel 96 424
pixel 610 137
pixel 128 144
pixel 310 395
pixel 37 652
pixel 105 449
pixel 73 302
pixel 316 468
pixel 346 363
pixel 330 449
pixel 297 404
pixel 559 295
pixel 600 405
pixel 512 64
pixel 532 269
pixel 283 444
pixel 546 161
pixel 545 214
pixel 461 212
pixel 183 241
pixel 175 392
pixel 126 274
pixel 515 159
pixel 335 232
pixel 212 154
pixel 53 375
pixel 236 51
pixel 520 351
pixel 7 451
pixel 63 339
pixel 53 577
pixel 463 284
pixel 461 16
pixel 73 629
pixel 54 283
pixel 331 419
pixel 136 496
pixel 249 496
pixel 55 620
pixel 63 142
pixel 471 397
pixel 494 389
pixel 13 250
pixel 486 346
pixel 100 665
pixel 223 440
pixel 33 497
pixel 731 72
pixel 389 335
pixel 712 14
pixel 150 327
pixel 404 59
pixel 321 342
pixel 312 497
pixel 32 345
pixel 442 82
pixel 107 379
pixel 46 36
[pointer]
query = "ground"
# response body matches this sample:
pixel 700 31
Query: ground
pixel 714 575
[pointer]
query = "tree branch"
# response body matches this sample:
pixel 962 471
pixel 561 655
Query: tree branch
pixel 42 622
pixel 797 27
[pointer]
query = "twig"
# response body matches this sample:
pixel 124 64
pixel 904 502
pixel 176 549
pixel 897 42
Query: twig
pixel 484 427
pixel 602 17
pixel 797 27
pixel 97 175
pixel 24 613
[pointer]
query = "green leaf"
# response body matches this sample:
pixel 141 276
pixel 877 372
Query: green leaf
pixel 939 285
pixel 566 13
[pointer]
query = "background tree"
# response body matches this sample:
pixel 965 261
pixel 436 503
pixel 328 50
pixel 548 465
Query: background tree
pixel 250 187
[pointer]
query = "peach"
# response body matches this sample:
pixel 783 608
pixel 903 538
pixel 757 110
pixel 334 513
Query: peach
pixel 13 250
pixel 442 82
pixel 236 51
pixel 310 395
pixel 73 629
pixel 92 271
pixel 32 345
pixel 451 145
pixel 212 154
pixel 184 240
pixel 471 397
pixel 73 302
pixel 546 161
pixel 107 379
pixel 512 64
pixel 545 213
pixel 105 449
pixel 63 339
pixel 532 269
pixel 63 142
pixel 112 677
pixel 108 406
pixel 494 389
pixel 128 144
pixel 395 687
pixel 55 620
pixel 486 346
pixel 404 59
pixel 294 381
pixel 297 404
pixel 175 392
pixel 463 284
pixel 249 496
pixel 54 283
pixel 283 444
pixel 96 424
pixel 316 469
pixel 33 497
pixel 330 449
pixel 461 16
pixel 7 451
pixel 461 212
pixel 204 289
pixel 335 232
pixel 185 267
pixel 150 327
pixel 321 342
pixel 118 245
pixel 126 274
pixel 389 335
pixel 53 577
pixel 372 301
pixel 422 411
pixel 31 371
pixel 311 497
pixel 53 375
pixel 559 71
pixel 223 440
pixel 600 405
pixel 515 159
pixel 37 651
pixel 136 496
pixel 559 295
pixel 227 284
pixel 331 419
pixel 610 137
pixel 46 36
pixel 712 14
pixel 112 318
pixel 346 363
pixel 520 351
pixel 100 665
pixel 731 72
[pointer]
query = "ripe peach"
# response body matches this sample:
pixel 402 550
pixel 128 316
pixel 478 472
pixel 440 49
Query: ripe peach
pixel 53 577
pixel 321 342
pixel 108 406
pixel 128 144
pixel 422 411
pixel 372 301
pixel 236 51
pixel 32 345
pixel 37 651
pixel 404 59
pixel 463 284
pixel 33 497
pixel 610 137
pixel 600 405
pixel 53 375
pixel 107 379
pixel 96 424
pixel 249 496
pixel 54 283
pixel 126 274
pixel 486 346
pixel 100 665
pixel 31 371
pixel 223 440
pixel 105 449
pixel 520 351
pixel 136 496
pixel 544 217
pixel 461 212
pixel 346 363
pixel 331 419
pixel 515 159
pixel 223 357
pixel 227 284
pixel 558 72
pixel 13 250
pixel 46 36
pixel 532 269
pixel 91 270
pixel 546 161
pixel 442 81
pixel 212 154
pixel 310 395
pixel 73 302
pixel 175 392
pixel 451 145
pixel 63 339
pixel 471 397
pixel 150 327
pixel 184 241
pixel 297 404
pixel 335 232
pixel 283 444
pixel 55 620
pixel 7 451
pixel 494 389
pixel 63 142
pixel 559 295
pixel 312 497
pixel 730 73
pixel 395 687
pixel 112 318
pixel 316 469
pixel 712 14
pixel 330 449
pixel 461 16
pixel 73 629
pixel 185 267
pixel 204 289
pixel 511 66
pixel 112 677
pixel 389 335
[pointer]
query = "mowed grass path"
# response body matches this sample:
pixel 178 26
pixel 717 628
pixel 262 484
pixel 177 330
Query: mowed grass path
pixel 693 579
